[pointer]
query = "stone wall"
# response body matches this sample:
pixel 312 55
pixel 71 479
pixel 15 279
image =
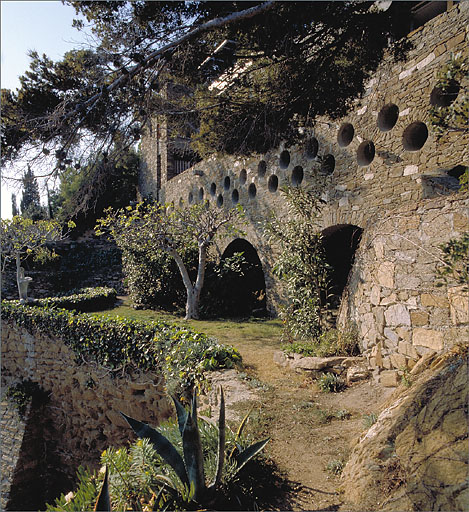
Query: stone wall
pixel 83 411
pixel 88 262
pixel 11 437
pixel 382 169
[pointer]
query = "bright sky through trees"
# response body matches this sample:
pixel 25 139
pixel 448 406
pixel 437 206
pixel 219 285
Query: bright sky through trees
pixel 32 25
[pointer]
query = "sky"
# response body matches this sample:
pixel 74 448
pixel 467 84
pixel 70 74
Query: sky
pixel 44 26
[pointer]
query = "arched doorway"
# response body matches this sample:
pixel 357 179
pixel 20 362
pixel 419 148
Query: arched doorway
pixel 340 243
pixel 244 294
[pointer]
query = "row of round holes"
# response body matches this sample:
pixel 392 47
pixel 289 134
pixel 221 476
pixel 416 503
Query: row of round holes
pixel 413 139
pixel 272 184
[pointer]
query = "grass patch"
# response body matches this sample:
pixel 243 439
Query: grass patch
pixel 265 330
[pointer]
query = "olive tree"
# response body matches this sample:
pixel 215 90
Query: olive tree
pixel 22 237
pixel 173 230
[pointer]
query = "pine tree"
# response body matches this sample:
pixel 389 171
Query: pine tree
pixel 31 202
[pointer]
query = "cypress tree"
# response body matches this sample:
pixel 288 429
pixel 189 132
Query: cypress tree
pixel 31 202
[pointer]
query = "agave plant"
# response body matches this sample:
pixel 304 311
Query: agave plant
pixel 189 467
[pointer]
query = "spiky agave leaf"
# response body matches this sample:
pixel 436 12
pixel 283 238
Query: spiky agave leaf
pixel 164 448
pixel 103 503
pixel 221 442
pixel 247 454
pixel 193 456
pixel 181 414
pixel 240 432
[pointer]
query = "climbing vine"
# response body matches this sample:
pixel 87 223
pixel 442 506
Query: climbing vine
pixel 121 345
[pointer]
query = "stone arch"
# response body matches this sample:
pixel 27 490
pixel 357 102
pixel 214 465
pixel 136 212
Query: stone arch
pixel 246 294
pixel 340 244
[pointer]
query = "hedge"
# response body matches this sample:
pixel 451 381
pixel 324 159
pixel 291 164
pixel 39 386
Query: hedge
pixel 83 299
pixel 121 345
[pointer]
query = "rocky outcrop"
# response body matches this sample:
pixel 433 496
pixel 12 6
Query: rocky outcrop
pixel 415 457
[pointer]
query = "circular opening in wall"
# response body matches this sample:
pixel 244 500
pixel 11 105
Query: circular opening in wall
pixel 201 193
pixel 284 160
pixel 220 200
pixel 227 183
pixel 365 153
pixel 273 183
pixel 191 198
pixel 387 117
pixel 181 201
pixel 252 191
pixel 328 164
pixel 235 196
pixel 213 189
pixel 345 134
pixel 414 136
pixel 297 175
pixel 243 176
pixel 444 96
pixel 262 168
pixel 312 148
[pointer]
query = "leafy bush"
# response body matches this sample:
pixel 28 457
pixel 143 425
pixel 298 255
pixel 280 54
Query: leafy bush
pixel 83 498
pixel 182 354
pixel 369 419
pixel 83 299
pixel 333 342
pixel 454 264
pixel 335 466
pixel 330 383
pixel 301 265
pixel 153 279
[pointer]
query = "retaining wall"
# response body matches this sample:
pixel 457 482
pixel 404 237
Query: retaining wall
pixel 82 416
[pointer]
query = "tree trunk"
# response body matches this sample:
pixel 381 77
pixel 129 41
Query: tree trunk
pixel 192 290
pixel 18 274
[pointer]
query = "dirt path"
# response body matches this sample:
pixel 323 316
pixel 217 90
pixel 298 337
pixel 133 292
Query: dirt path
pixel 309 430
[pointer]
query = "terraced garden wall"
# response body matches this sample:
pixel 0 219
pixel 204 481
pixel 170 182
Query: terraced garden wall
pixel 81 418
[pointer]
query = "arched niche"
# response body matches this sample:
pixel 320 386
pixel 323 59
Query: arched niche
pixel 340 244
pixel 244 295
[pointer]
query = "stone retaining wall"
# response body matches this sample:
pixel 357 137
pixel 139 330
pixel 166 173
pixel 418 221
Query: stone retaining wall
pixel 83 412
pixel 11 437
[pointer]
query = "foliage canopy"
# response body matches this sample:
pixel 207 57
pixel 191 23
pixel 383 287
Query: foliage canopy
pixel 282 64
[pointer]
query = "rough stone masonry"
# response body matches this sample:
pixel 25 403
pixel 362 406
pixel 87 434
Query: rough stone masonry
pixel 381 169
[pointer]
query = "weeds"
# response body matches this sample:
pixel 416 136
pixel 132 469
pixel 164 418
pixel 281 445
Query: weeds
pixel 406 379
pixel 331 383
pixel 325 416
pixel 369 420
pixel 335 466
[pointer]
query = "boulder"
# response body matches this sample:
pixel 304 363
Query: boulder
pixel 415 457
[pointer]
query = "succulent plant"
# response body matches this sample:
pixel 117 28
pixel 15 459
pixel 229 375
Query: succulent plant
pixel 189 467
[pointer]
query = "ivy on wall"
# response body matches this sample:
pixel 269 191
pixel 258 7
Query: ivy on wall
pixel 122 345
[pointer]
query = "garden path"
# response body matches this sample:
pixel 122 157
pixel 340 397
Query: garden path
pixel 310 431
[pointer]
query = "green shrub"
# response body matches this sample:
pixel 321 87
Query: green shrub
pixel 119 344
pixel 153 279
pixel 331 343
pixel 330 383
pixel 83 299
pixel 335 466
pixel 369 420
pixel 154 472
pixel 453 266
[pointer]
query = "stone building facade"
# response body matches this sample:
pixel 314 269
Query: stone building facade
pixel 384 175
